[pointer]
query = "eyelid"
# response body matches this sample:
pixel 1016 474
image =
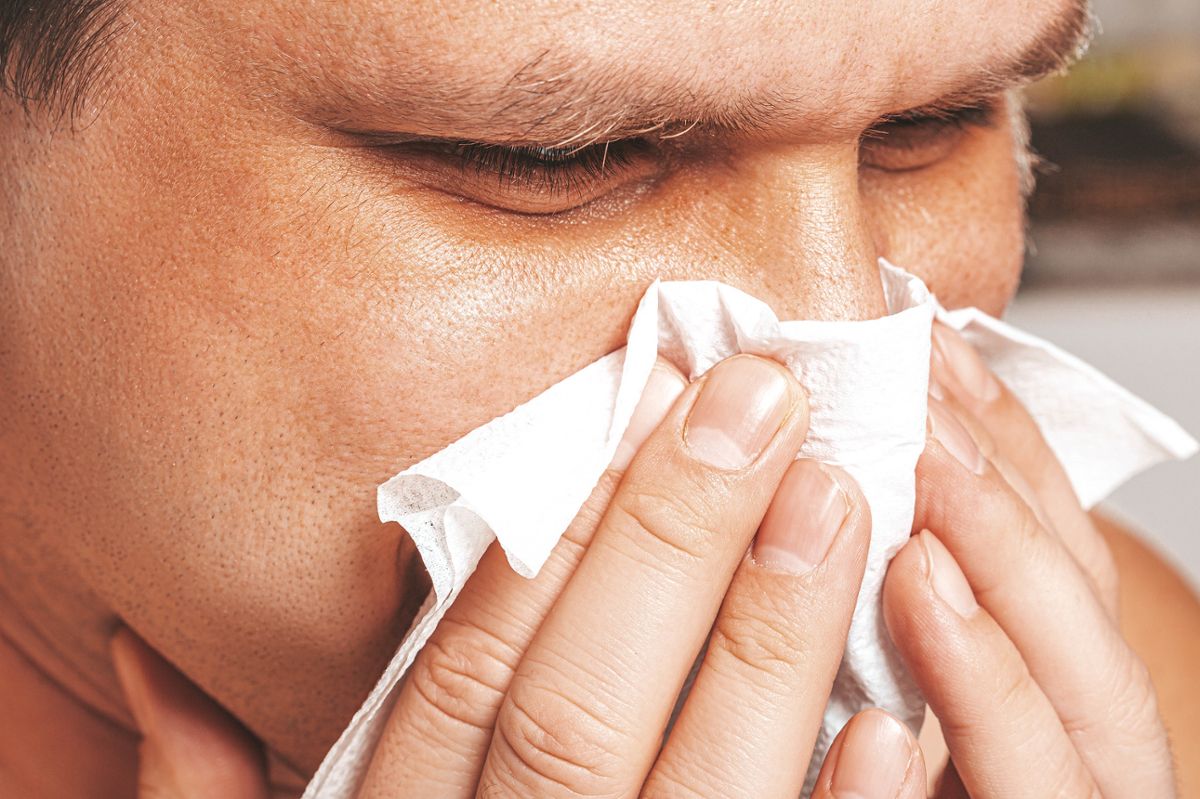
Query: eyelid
pixel 974 108
pixel 979 114
pixel 531 179
pixel 524 159
pixel 918 138
pixel 545 179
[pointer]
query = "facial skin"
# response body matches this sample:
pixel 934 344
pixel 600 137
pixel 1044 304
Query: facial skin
pixel 229 311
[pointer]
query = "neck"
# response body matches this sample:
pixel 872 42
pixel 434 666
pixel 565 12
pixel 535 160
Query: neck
pixel 46 727
pixel 65 730
pixel 46 724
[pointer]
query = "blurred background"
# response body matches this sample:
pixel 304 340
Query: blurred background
pixel 1113 273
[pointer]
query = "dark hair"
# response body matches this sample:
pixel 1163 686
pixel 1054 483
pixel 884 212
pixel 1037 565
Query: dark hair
pixel 51 51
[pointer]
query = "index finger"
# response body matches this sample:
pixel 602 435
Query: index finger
pixel 587 708
pixel 441 725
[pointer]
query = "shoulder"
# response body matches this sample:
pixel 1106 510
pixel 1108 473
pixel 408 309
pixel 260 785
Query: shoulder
pixel 1160 617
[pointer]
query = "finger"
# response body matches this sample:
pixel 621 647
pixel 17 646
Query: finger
pixel 1003 733
pixel 874 757
pixel 450 698
pixel 933 749
pixel 762 687
pixel 191 748
pixel 994 457
pixel 950 785
pixel 1036 592
pixel 1019 440
pixel 942 780
pixel 586 710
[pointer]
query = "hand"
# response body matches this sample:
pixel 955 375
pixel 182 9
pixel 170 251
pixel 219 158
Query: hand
pixel 1004 608
pixel 563 685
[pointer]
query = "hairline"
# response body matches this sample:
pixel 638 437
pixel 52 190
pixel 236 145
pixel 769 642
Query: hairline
pixel 54 57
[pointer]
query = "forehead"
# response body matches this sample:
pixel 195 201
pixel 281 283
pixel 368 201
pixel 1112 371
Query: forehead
pixel 382 62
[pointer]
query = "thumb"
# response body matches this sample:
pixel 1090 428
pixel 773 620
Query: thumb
pixel 191 748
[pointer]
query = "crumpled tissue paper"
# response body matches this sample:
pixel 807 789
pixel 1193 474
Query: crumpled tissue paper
pixel 522 477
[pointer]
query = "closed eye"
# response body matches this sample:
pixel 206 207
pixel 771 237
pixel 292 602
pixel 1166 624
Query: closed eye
pixel 916 139
pixel 531 179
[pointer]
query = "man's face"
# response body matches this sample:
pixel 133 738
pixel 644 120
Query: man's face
pixel 268 274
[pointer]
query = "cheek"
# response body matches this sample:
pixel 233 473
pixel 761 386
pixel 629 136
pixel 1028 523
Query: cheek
pixel 226 373
pixel 211 374
pixel 958 224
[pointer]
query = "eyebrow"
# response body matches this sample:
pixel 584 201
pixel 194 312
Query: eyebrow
pixel 1052 51
pixel 550 102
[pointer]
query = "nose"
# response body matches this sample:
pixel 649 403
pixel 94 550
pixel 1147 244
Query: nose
pixel 788 226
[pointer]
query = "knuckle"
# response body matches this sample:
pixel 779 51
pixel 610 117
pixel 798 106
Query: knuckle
pixel 757 644
pixel 670 526
pixel 547 743
pixel 1016 701
pixel 1132 704
pixel 462 678
pixel 690 780
pixel 1068 777
pixel 1009 530
pixel 579 532
pixel 1015 691
pixel 1028 526
pixel 986 442
pixel 1139 686
pixel 1030 541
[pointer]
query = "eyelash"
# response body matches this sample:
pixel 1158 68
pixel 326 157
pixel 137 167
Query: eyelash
pixel 980 114
pixel 571 175
pixel 936 119
pixel 546 170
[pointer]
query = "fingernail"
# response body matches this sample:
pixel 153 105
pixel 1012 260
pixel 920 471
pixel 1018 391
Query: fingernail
pixel 953 353
pixel 875 758
pixel 804 516
pixel 954 437
pixel 946 577
pixel 663 387
pixel 739 410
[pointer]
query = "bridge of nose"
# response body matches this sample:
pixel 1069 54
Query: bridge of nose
pixel 787 225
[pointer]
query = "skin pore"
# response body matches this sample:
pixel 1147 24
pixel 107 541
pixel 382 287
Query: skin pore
pixel 281 256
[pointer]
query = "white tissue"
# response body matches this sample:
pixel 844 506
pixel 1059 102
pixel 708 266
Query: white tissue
pixel 522 477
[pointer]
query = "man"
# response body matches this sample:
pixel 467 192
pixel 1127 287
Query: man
pixel 260 256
